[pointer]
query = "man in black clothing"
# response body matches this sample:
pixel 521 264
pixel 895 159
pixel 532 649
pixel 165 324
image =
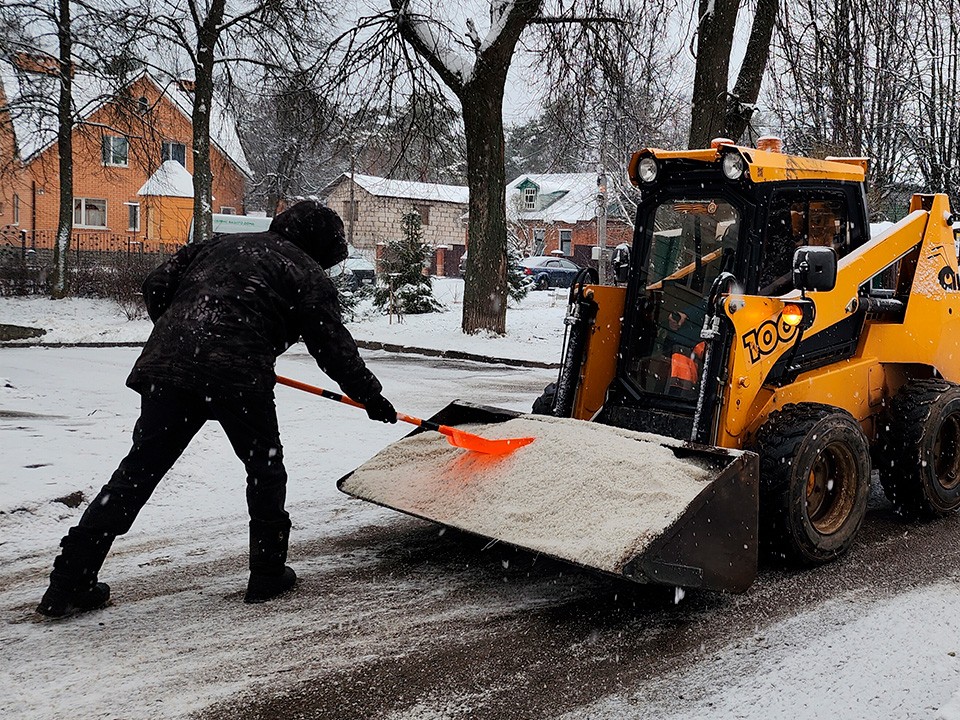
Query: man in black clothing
pixel 223 310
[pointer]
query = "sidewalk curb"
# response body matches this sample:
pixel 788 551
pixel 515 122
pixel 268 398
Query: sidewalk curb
pixel 364 344
pixel 455 355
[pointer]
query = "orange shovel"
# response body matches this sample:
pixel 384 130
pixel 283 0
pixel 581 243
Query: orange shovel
pixel 457 438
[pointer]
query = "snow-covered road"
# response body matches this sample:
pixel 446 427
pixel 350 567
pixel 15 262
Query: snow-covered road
pixel 395 619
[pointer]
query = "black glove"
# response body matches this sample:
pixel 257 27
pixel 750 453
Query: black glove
pixel 379 408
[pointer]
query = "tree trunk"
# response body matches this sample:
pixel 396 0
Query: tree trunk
pixel 207 36
pixel 485 291
pixel 714 42
pixel 65 149
pixel 481 97
pixel 716 111
pixel 743 101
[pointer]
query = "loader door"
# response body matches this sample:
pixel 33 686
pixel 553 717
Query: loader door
pixel 798 216
pixel 691 240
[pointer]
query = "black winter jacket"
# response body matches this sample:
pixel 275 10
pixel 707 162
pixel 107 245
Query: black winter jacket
pixel 223 310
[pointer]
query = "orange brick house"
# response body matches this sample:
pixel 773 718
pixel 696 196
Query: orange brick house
pixel 556 214
pixel 132 161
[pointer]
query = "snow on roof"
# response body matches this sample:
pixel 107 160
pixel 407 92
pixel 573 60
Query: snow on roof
pixel 31 99
pixel 223 125
pixel 574 197
pixel 170 180
pixel 383 187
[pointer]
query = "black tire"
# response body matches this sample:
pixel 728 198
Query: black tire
pixel 919 455
pixel 543 405
pixel 543 282
pixel 814 482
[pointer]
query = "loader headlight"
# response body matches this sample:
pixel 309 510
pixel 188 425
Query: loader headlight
pixel 733 166
pixel 647 169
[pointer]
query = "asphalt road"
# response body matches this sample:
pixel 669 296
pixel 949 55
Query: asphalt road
pixel 395 618
pixel 445 621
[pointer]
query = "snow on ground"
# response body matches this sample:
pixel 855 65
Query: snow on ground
pixel 65 422
pixel 534 325
pixel 893 659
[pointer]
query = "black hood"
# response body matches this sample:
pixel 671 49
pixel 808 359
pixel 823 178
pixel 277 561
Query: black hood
pixel 315 229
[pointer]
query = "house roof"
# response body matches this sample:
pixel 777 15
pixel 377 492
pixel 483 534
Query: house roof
pixel 31 99
pixel 382 187
pixel 565 197
pixel 170 180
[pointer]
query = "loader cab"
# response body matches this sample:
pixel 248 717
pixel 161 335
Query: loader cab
pixel 704 215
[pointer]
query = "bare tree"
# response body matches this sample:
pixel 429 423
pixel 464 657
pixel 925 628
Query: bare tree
pixel 479 86
pixel 716 110
pixel 935 76
pixel 218 38
pixel 288 135
pixel 414 47
pixel 846 81
pixel 55 42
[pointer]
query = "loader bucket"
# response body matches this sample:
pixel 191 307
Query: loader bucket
pixel 638 506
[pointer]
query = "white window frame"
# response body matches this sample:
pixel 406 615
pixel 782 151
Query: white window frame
pixel 130 207
pixel 16 209
pixel 109 155
pixel 227 210
pixel 529 198
pixel 83 213
pixel 166 149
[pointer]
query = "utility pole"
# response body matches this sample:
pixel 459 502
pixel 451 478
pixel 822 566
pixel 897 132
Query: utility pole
pixel 353 208
pixel 602 224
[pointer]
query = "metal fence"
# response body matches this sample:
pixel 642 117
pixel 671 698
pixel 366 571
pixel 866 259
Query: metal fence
pixel 99 263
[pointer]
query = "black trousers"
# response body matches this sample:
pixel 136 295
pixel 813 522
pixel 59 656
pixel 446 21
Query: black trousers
pixel 169 418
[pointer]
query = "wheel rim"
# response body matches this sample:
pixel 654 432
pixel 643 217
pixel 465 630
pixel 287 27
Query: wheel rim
pixel 831 488
pixel 946 452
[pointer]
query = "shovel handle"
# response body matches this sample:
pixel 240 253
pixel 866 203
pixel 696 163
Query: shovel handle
pixel 330 395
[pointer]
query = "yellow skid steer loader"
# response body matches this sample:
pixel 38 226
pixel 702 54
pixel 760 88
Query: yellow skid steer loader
pixel 764 355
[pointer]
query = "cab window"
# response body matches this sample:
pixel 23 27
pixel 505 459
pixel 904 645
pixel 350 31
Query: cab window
pixel 794 219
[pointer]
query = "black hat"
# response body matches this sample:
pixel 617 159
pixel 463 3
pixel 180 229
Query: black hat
pixel 315 229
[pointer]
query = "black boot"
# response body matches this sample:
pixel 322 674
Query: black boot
pixel 269 576
pixel 61 602
pixel 73 581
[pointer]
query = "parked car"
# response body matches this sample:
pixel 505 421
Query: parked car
pixel 364 270
pixel 343 276
pixel 354 272
pixel 548 271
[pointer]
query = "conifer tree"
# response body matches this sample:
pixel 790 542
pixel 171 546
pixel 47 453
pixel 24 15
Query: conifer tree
pixel 403 286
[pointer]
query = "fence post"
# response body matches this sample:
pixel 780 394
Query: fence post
pixel 23 263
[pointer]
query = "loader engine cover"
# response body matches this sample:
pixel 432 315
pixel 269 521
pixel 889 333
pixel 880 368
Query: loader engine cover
pixel 631 504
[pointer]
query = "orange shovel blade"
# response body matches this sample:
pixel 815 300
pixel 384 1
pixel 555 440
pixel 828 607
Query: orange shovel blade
pixel 469 441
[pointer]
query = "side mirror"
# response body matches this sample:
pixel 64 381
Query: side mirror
pixel 815 268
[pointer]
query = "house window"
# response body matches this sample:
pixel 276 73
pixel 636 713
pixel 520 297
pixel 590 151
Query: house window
pixel 530 198
pixel 225 210
pixel 174 151
pixel 424 212
pixel 539 241
pixel 566 238
pixel 347 215
pixel 133 217
pixel 89 213
pixel 16 209
pixel 143 105
pixel 115 150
